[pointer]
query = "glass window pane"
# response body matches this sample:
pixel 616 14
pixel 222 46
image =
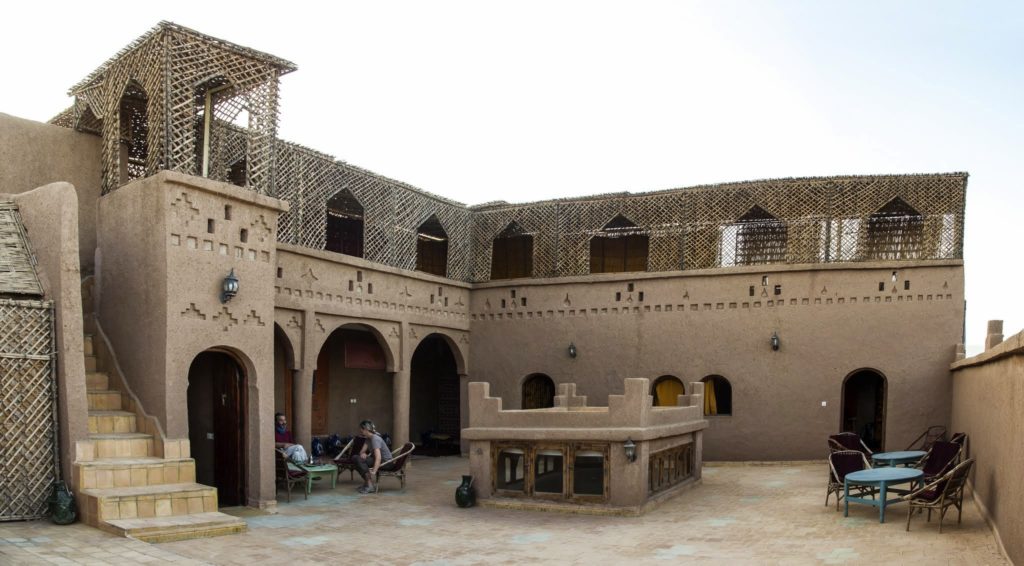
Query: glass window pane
pixel 588 474
pixel 548 472
pixel 510 470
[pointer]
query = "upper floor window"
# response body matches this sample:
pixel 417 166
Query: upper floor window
pixel 432 247
pixel 512 254
pixel 538 392
pixel 344 224
pixel 895 231
pixel 717 395
pixel 620 246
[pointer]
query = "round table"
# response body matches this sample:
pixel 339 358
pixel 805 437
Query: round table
pixel 896 458
pixel 881 478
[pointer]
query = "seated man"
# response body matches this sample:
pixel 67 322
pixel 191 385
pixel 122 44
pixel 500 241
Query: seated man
pixel 284 440
pixel 374 453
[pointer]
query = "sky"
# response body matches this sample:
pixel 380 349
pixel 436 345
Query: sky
pixel 528 100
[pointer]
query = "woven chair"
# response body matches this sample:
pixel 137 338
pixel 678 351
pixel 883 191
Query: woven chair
pixel 927 438
pixel 841 463
pixel 395 467
pixel 941 494
pixel 848 441
pixel 939 460
pixel 346 459
pixel 287 475
pixel 961 439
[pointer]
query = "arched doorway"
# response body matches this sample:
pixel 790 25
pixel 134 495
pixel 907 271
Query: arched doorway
pixel 666 391
pixel 434 411
pixel 217 424
pixel 284 361
pixel 717 395
pixel 864 407
pixel 538 392
pixel 351 383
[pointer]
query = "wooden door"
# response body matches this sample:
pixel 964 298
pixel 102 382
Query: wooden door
pixel 321 392
pixel 229 431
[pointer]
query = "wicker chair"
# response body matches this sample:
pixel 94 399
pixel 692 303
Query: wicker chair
pixel 395 467
pixel 288 475
pixel 840 463
pixel 961 439
pixel 941 494
pixel 346 459
pixel 927 438
pixel 848 441
pixel 939 460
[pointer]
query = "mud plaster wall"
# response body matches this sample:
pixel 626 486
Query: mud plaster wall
pixel 831 322
pixel 34 154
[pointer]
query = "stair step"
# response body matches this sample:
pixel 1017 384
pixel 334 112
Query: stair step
pixel 90 363
pixel 104 400
pixel 106 504
pixel 112 421
pixel 87 345
pixel 134 472
pixel 97 381
pixel 182 527
pixel 122 445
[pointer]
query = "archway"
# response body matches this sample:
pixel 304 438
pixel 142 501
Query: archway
pixel 864 407
pixel 538 392
pixel 717 395
pixel 351 383
pixel 217 424
pixel 666 391
pixel 284 362
pixel 435 405
pixel 432 247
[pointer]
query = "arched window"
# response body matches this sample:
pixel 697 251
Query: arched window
pixel 538 392
pixel 760 238
pixel 432 247
pixel 620 246
pixel 666 391
pixel 344 224
pixel 134 124
pixel 895 231
pixel 717 395
pixel 512 254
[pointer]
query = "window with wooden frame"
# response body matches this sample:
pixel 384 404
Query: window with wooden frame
pixel 538 392
pixel 621 246
pixel 589 478
pixel 512 253
pixel 549 471
pixel 509 468
pixel 669 467
pixel 432 247
pixel 561 471
pixel 344 225
pixel 895 231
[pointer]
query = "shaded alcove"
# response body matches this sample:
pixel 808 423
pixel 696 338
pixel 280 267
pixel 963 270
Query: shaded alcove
pixel 434 412
pixel 864 407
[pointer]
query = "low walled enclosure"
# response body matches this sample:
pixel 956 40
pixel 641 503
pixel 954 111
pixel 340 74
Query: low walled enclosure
pixel 574 457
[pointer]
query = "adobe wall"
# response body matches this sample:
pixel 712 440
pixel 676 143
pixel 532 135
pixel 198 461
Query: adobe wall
pixel 831 320
pixel 166 244
pixel 50 216
pixel 988 404
pixel 34 154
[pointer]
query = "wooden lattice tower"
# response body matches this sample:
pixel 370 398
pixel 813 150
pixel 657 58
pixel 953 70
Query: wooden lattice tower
pixel 190 87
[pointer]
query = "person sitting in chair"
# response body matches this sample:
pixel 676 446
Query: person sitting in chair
pixel 374 453
pixel 285 442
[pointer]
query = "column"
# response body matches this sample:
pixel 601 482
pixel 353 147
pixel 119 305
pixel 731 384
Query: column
pixel 302 411
pixel 463 411
pixel 400 397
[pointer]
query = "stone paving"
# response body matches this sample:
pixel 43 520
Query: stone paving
pixel 771 514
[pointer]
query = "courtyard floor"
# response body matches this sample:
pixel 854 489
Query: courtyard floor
pixel 771 514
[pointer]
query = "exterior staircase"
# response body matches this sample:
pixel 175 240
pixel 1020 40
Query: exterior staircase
pixel 137 484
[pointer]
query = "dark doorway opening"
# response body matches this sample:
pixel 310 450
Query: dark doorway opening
pixel 432 247
pixel 512 253
pixel 538 392
pixel 864 407
pixel 620 246
pixel 283 375
pixel 217 424
pixel 434 410
pixel 344 224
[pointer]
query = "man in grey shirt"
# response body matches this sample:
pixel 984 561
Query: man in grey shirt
pixel 374 453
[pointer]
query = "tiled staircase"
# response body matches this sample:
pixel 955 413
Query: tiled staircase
pixel 134 483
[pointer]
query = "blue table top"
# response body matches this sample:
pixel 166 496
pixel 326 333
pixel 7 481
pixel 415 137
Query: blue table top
pixel 900 455
pixel 885 474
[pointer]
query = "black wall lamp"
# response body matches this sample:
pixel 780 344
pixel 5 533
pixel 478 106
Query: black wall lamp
pixel 630 449
pixel 229 288
pixel 775 341
pixel 572 350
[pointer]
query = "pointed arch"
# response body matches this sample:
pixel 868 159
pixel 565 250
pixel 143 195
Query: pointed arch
pixel 344 224
pixel 133 120
pixel 432 247
pixel 620 246
pixel 894 231
pixel 512 253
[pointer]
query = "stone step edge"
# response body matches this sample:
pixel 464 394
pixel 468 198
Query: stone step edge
pixel 179 532
pixel 157 490
pixel 127 462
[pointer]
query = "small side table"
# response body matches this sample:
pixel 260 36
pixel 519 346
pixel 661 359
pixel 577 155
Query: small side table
pixel 897 458
pixel 315 470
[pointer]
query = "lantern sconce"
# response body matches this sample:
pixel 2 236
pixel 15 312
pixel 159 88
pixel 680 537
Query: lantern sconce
pixel 572 350
pixel 775 341
pixel 229 288
pixel 630 448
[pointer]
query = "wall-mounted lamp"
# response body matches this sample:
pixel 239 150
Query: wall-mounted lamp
pixel 229 288
pixel 630 449
pixel 775 341
pixel 572 350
